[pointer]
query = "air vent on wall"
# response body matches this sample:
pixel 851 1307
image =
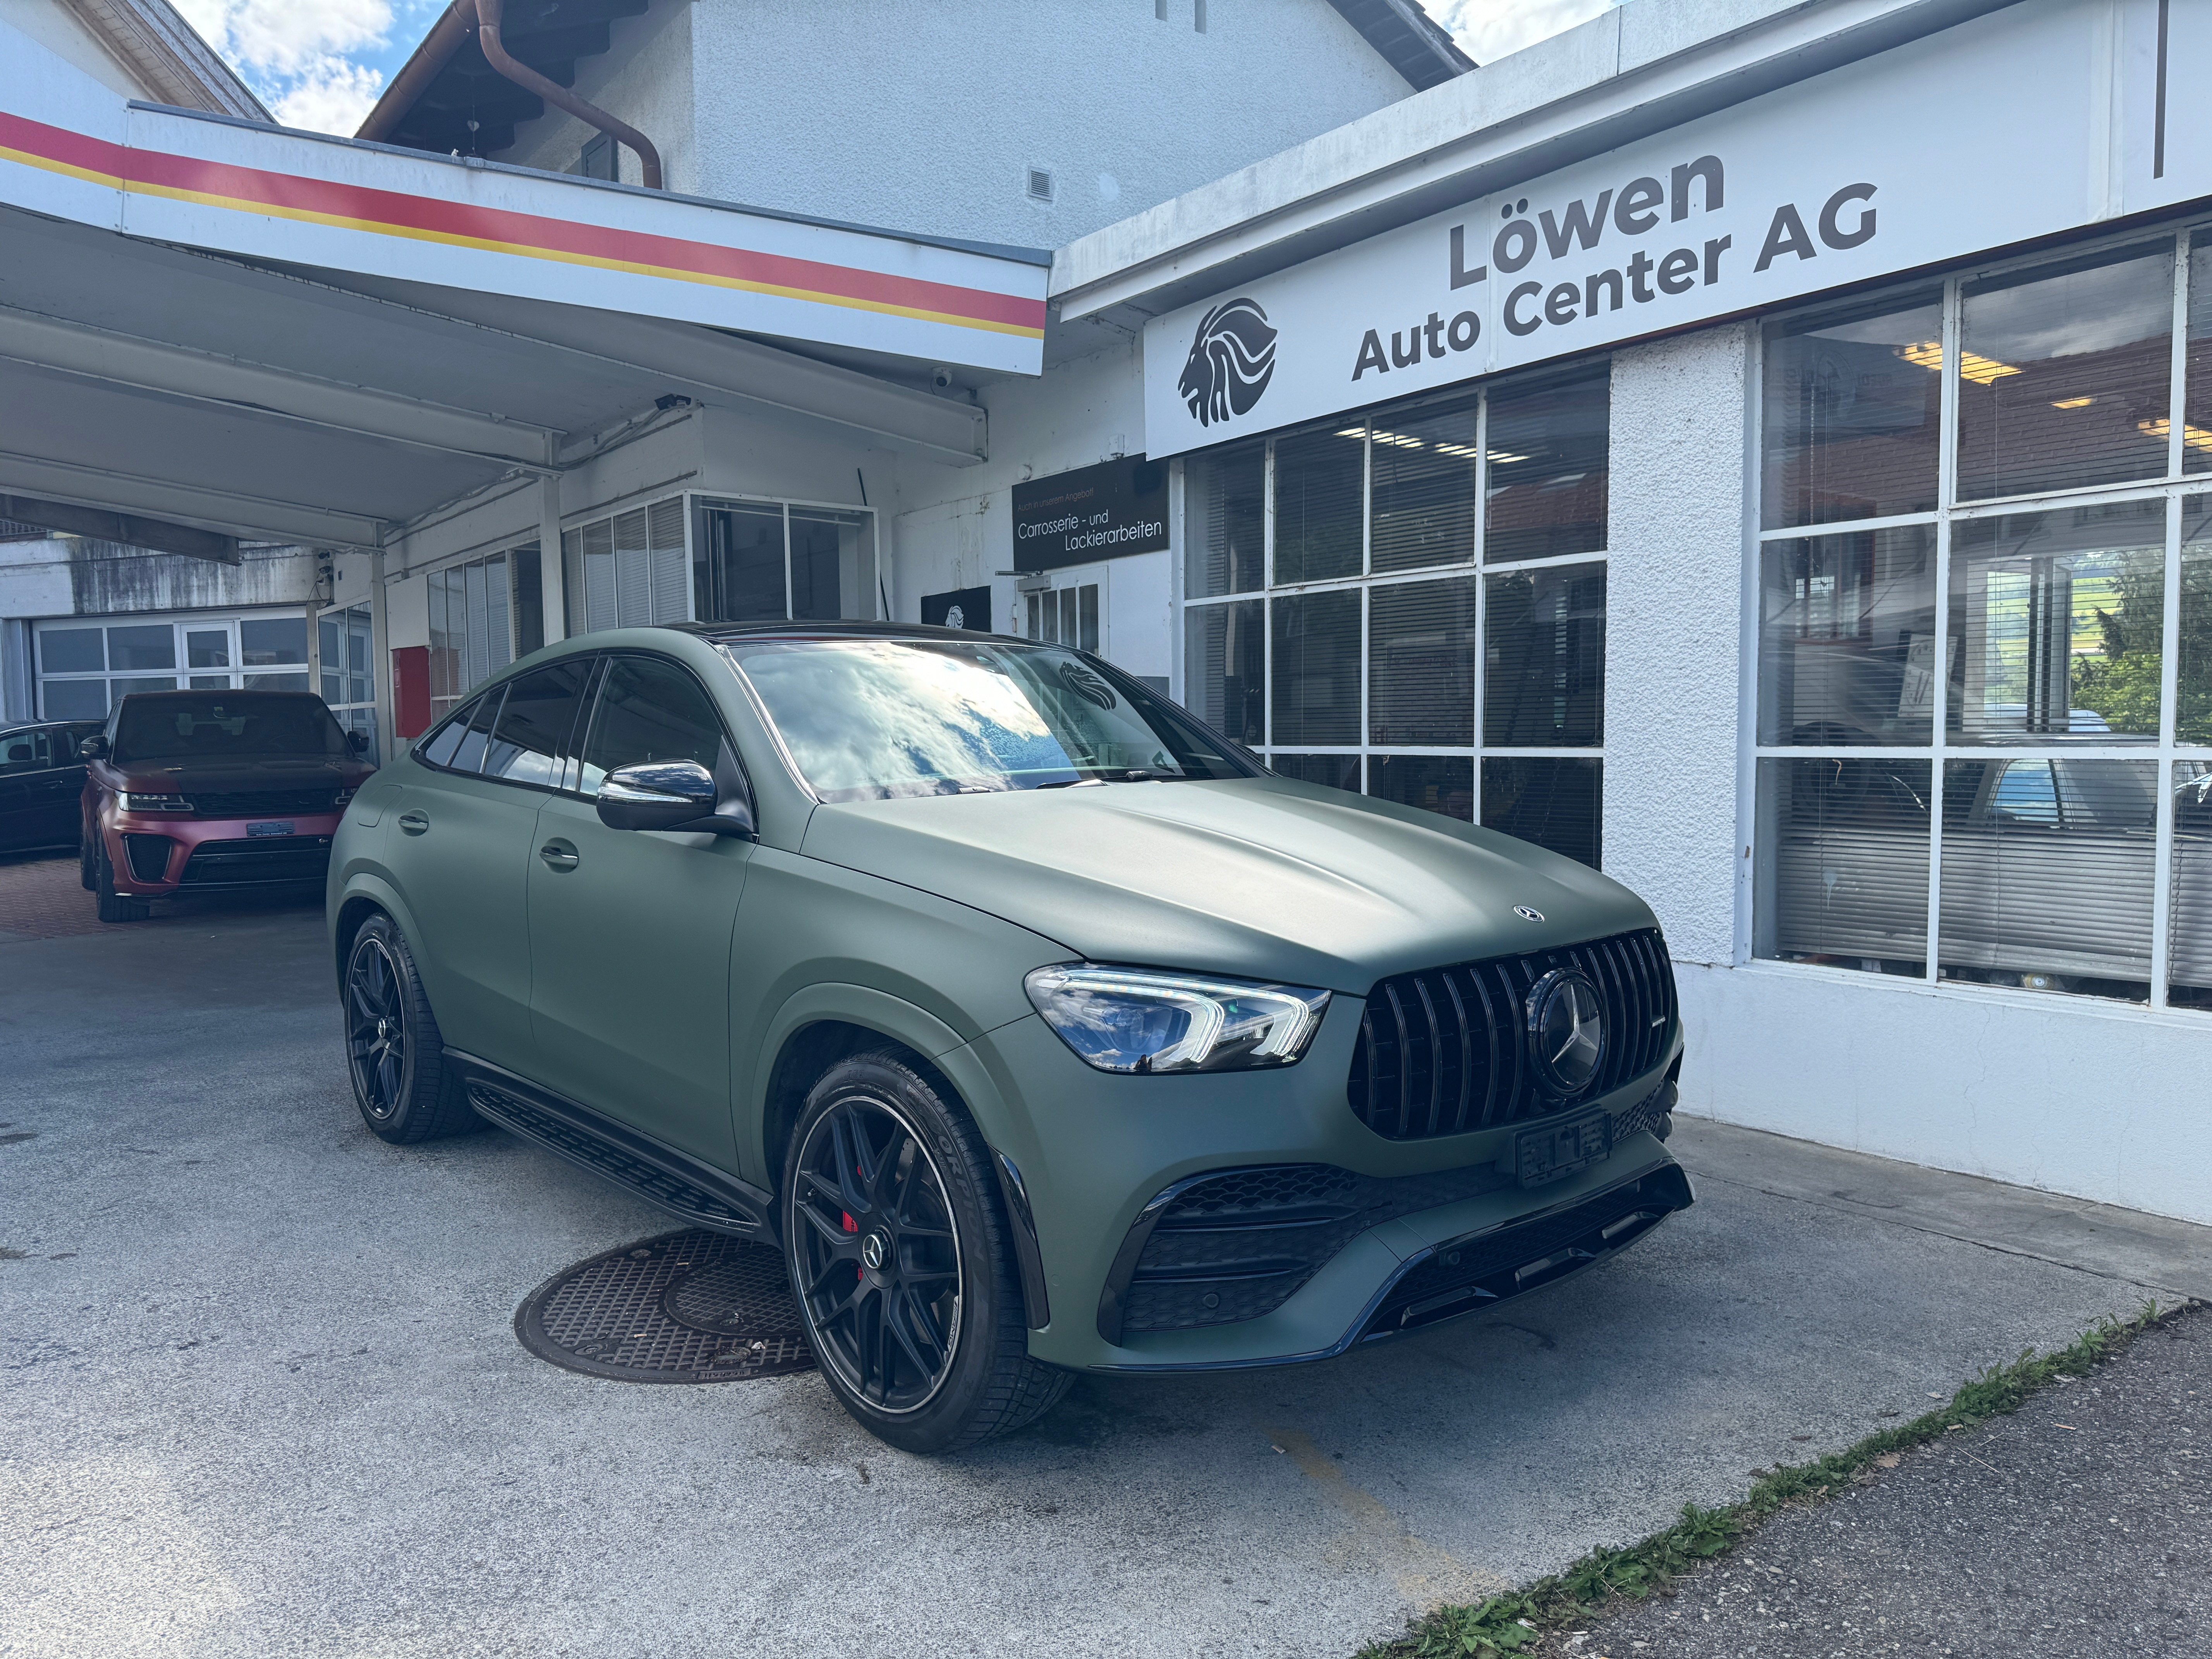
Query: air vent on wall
pixel 1040 185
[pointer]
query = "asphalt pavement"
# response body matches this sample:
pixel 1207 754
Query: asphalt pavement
pixel 260 1391
pixel 2076 1525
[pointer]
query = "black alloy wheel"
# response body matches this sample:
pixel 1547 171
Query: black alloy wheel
pixel 896 1235
pixel 877 1254
pixel 395 1053
pixel 376 1028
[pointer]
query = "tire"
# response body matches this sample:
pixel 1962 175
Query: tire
pixel 84 871
pixel 928 1348
pixel 111 905
pixel 395 1055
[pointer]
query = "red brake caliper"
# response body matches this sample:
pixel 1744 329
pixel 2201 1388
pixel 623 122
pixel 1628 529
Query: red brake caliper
pixel 853 1226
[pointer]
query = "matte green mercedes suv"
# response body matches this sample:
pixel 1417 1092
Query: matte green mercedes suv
pixel 1043 1030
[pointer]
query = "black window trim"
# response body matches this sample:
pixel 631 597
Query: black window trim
pixel 586 700
pixel 582 740
pixel 461 711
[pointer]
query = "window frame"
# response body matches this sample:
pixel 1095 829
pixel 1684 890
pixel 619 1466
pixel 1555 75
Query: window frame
pixel 2174 487
pixel 180 624
pixel 1478 566
pixel 603 664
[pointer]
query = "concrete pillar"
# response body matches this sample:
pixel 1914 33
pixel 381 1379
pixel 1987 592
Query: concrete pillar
pixel 1675 608
pixel 380 659
pixel 552 572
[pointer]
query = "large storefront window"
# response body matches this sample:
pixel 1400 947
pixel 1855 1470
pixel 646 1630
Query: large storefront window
pixel 472 612
pixel 84 667
pixel 1984 709
pixel 1410 603
pixel 767 560
pixel 740 562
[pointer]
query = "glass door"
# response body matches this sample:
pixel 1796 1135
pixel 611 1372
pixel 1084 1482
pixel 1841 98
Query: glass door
pixel 347 639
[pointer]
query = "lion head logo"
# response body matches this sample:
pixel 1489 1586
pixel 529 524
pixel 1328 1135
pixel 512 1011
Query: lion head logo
pixel 1231 360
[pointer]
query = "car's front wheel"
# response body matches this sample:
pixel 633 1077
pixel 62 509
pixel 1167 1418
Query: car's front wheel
pixel 394 1052
pixel 896 1239
pixel 111 905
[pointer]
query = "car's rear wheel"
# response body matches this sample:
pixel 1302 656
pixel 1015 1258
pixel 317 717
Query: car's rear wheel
pixel 896 1239
pixel 111 905
pixel 394 1051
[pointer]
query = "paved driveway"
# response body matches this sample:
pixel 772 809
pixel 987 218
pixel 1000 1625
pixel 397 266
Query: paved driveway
pixel 259 1393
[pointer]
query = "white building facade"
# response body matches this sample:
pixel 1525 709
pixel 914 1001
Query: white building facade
pixel 1798 510
pixel 1762 450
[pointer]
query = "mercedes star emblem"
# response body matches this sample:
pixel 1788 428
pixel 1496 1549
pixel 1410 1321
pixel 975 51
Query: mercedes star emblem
pixel 1567 1031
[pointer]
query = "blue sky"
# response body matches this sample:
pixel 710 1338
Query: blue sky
pixel 320 64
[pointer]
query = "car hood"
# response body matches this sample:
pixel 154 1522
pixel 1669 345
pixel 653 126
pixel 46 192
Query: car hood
pixel 271 772
pixel 1262 878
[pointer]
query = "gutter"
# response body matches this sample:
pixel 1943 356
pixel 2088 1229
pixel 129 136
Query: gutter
pixel 424 65
pixel 447 37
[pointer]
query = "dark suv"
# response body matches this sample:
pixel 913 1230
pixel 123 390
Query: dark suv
pixel 190 790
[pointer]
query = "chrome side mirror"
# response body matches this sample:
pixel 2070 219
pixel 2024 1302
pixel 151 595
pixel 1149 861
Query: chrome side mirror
pixel 670 795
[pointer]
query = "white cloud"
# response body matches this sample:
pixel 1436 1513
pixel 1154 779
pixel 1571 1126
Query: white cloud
pixel 298 55
pixel 331 95
pixel 1487 30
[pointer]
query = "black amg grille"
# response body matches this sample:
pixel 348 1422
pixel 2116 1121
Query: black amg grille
pixel 1236 1245
pixel 1443 1051
pixel 265 803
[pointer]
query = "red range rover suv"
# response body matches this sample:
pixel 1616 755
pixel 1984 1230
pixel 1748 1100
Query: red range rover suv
pixel 198 791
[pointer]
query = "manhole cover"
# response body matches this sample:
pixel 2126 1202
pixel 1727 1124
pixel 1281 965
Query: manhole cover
pixel 688 1307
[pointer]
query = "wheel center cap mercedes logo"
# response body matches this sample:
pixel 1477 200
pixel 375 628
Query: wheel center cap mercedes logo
pixel 384 1030
pixel 872 1253
pixel 1567 1031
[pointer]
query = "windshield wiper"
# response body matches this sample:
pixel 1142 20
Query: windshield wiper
pixel 1110 775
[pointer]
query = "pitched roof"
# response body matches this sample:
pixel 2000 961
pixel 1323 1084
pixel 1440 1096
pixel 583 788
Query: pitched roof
pixel 169 58
pixel 447 97
pixel 1414 43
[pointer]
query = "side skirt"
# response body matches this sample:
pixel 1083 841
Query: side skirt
pixel 677 1183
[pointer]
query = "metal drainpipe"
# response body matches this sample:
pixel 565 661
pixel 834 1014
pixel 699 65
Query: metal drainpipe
pixel 495 54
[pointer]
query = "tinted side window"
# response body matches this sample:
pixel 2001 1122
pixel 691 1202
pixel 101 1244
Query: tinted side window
pixel 25 751
pixel 469 757
pixel 531 744
pixel 649 710
pixel 438 749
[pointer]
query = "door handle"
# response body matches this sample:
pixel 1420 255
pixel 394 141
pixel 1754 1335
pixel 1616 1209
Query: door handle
pixel 556 856
pixel 414 823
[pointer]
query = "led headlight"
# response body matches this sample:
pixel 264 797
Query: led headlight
pixel 1134 1019
pixel 137 803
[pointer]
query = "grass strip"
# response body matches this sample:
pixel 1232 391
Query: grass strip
pixel 1519 1623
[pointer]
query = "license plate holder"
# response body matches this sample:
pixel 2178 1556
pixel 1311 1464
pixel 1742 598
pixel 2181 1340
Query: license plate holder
pixel 257 830
pixel 1556 1150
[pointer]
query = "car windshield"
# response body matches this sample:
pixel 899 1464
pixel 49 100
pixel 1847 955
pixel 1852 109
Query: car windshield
pixel 226 725
pixel 869 720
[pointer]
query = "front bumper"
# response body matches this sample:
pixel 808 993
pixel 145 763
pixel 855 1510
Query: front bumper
pixel 1097 1152
pixel 155 854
